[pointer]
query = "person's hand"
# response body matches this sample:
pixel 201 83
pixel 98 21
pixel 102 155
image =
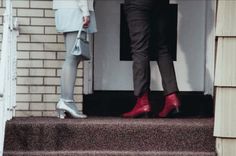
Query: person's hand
pixel 86 21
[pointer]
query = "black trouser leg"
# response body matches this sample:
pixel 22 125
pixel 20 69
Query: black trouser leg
pixel 139 17
pixel 163 56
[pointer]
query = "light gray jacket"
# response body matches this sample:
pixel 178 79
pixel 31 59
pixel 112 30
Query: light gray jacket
pixel 84 5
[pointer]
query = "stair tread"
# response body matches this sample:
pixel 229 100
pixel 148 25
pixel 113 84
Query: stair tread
pixel 116 134
pixel 208 122
pixel 114 153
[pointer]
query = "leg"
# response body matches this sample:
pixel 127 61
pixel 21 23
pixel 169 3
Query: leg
pixel 66 105
pixel 164 58
pixel 138 18
pixel 165 63
pixel 69 68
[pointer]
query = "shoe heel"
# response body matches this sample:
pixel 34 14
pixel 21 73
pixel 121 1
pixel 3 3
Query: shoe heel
pixel 61 114
pixel 177 109
pixel 144 115
pixel 175 113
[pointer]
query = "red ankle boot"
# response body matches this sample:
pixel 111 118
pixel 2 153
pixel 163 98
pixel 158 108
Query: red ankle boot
pixel 142 107
pixel 171 107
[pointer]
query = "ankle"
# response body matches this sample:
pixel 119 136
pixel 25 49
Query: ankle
pixel 145 95
pixel 172 94
pixel 67 100
pixel 172 98
pixel 143 100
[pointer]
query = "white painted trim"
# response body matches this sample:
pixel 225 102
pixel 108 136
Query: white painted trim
pixel 8 71
pixel 2 130
pixel 4 71
pixel 210 47
pixel 88 70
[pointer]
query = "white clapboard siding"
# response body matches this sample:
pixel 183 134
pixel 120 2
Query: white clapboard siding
pixel 226 147
pixel 226 14
pixel 225 119
pixel 226 62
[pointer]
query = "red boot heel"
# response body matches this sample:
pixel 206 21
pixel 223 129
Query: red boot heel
pixel 171 107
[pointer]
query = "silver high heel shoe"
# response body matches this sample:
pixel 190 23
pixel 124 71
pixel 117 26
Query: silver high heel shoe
pixel 68 107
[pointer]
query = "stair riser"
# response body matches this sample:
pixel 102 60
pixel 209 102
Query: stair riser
pixel 59 137
pixel 109 154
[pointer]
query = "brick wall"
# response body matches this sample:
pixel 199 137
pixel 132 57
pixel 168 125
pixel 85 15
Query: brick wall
pixel 40 57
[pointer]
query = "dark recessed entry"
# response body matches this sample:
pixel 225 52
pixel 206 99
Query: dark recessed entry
pixel 172 17
pixel 114 103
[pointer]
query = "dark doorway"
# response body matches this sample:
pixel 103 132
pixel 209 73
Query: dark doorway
pixel 114 103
